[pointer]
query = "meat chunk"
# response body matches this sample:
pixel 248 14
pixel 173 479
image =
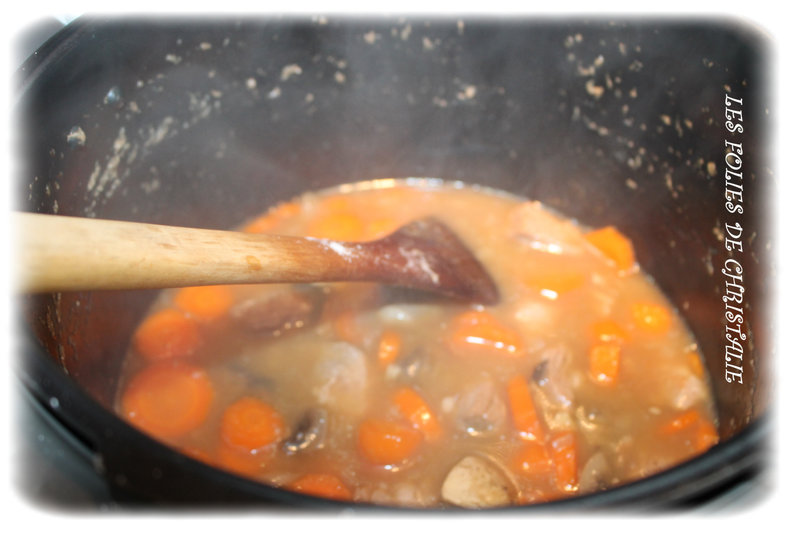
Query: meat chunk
pixel 691 392
pixel 340 379
pixel 480 410
pixel 477 483
pixel 277 310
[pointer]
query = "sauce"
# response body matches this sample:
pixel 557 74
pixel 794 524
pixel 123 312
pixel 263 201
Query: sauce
pixel 582 378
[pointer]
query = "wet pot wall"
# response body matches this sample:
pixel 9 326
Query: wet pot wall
pixel 205 123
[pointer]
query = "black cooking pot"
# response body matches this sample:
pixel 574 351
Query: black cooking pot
pixel 205 123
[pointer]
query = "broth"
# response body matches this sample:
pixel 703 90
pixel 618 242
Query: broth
pixel 582 378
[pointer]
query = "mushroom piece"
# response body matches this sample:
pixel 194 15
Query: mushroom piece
pixel 595 474
pixel 476 483
pixel 309 433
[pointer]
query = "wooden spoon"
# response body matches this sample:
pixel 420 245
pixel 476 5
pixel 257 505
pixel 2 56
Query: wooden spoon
pixel 59 253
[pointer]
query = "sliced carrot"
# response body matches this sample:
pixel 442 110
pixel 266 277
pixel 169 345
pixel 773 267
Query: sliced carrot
pixel 563 449
pixel 384 442
pixel 389 346
pixel 322 485
pixel 166 334
pixel 604 363
pixel 651 318
pixel 418 413
pixel 532 460
pixel 614 245
pixel 251 424
pixel 608 330
pixel 480 333
pixel 697 429
pixel 523 411
pixel 337 226
pixel 680 422
pixel 168 399
pixel 267 222
pixel 551 285
pixel 206 303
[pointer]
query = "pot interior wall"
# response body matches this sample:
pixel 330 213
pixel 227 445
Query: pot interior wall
pixel 204 124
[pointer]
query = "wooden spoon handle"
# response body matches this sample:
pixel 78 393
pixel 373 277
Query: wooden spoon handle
pixel 59 253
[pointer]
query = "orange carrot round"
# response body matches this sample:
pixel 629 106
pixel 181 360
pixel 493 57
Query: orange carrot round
pixel 418 413
pixel 480 333
pixel 552 285
pixel 651 318
pixel 168 399
pixel 532 460
pixel 384 442
pixel 694 427
pixel 389 346
pixel 680 421
pixel 614 246
pixel 604 363
pixel 563 449
pixel 205 302
pixel 322 485
pixel 166 334
pixel 251 424
pixel 608 330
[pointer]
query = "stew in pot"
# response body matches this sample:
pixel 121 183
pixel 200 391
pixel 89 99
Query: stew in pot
pixel 582 378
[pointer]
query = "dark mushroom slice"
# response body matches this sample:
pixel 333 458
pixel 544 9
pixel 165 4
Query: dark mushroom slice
pixel 309 433
pixel 552 375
